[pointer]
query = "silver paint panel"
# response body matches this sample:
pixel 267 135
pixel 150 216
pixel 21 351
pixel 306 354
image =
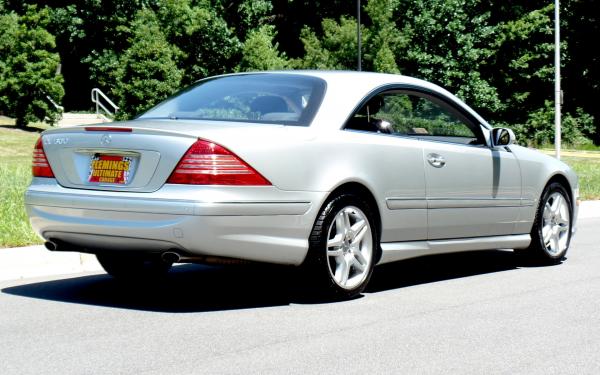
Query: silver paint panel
pixel 472 194
pixel 398 251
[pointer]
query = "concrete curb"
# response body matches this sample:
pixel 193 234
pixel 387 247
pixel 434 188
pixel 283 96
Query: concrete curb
pixel 35 261
pixel 589 210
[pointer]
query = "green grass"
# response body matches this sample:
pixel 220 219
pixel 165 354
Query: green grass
pixel 16 147
pixel 15 174
pixel 588 170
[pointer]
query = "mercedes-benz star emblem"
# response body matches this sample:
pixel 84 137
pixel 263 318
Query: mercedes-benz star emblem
pixel 105 140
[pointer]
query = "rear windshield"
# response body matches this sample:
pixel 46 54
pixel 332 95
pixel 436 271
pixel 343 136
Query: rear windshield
pixel 274 98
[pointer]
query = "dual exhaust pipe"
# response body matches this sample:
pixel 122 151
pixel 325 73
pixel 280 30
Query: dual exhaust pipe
pixel 169 256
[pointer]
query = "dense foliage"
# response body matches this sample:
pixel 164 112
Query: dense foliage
pixel 496 55
pixel 28 67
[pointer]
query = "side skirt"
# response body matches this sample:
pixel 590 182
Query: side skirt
pixel 394 251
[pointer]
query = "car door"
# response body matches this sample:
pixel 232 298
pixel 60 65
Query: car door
pixel 394 169
pixel 472 189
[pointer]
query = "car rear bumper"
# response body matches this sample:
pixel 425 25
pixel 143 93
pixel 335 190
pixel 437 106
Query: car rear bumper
pixel 253 223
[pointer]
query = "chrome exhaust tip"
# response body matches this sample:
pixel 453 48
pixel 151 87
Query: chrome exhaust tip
pixel 170 257
pixel 52 246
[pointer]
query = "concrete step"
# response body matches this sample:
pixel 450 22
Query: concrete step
pixel 72 119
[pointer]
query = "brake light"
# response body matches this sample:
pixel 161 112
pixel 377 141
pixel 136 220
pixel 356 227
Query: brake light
pixel 207 163
pixel 107 129
pixel 40 166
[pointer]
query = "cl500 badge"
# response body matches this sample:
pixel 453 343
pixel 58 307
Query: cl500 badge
pixel 56 141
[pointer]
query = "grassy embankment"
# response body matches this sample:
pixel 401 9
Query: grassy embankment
pixel 16 147
pixel 15 174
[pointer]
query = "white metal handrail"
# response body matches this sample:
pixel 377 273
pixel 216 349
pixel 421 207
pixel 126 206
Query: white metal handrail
pixel 58 107
pixel 96 95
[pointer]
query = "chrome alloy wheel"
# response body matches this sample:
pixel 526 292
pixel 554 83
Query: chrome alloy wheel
pixel 349 247
pixel 555 224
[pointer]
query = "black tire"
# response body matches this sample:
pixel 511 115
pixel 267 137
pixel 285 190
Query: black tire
pixel 539 251
pixel 319 263
pixel 128 267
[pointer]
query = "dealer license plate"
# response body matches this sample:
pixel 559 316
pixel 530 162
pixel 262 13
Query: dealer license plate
pixel 110 169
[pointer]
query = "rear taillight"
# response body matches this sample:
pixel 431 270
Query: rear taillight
pixel 207 163
pixel 40 166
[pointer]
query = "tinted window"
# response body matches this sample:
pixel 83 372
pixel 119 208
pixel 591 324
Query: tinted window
pixel 262 98
pixel 414 114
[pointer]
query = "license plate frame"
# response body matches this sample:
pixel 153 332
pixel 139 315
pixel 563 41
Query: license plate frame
pixel 113 169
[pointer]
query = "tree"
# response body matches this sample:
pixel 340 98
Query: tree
pixel 335 49
pixel 538 128
pixel 449 43
pixel 207 43
pixel 28 67
pixel 246 15
pixel 581 73
pixel 148 70
pixel 260 53
pixel 386 39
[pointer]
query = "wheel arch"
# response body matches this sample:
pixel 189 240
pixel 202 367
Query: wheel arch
pixel 564 181
pixel 357 188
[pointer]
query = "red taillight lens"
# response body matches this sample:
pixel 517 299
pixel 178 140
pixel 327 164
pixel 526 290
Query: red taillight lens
pixel 107 129
pixel 40 166
pixel 207 163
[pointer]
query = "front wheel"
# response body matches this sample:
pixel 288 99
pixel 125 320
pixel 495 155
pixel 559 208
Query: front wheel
pixel 343 246
pixel 551 232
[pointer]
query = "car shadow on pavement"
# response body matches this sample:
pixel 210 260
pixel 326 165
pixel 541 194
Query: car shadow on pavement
pixel 430 269
pixel 198 288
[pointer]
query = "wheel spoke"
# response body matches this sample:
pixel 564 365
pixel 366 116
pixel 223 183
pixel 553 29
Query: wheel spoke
pixel 562 228
pixel 347 225
pixel 546 234
pixel 554 243
pixel 336 241
pixel 357 263
pixel 547 211
pixel 556 203
pixel 359 256
pixel 563 214
pixel 359 236
pixel 339 224
pixel 335 252
pixel 358 226
pixel 342 271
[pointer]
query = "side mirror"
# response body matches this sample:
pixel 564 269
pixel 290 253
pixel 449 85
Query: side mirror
pixel 502 137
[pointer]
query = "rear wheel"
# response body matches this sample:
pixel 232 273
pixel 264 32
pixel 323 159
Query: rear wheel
pixel 342 250
pixel 129 267
pixel 551 232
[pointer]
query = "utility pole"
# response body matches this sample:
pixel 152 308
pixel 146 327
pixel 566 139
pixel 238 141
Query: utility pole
pixel 557 92
pixel 358 35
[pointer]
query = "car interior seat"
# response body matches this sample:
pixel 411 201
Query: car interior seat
pixel 268 104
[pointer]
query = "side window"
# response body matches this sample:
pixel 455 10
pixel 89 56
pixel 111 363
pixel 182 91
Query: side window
pixel 415 114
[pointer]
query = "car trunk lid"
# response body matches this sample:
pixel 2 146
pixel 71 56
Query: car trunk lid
pixel 134 156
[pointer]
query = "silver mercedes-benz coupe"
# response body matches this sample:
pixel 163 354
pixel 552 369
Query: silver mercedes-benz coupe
pixel 332 171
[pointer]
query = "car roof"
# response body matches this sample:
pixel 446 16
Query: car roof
pixel 346 89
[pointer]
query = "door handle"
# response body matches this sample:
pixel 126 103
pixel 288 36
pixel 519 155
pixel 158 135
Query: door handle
pixel 436 160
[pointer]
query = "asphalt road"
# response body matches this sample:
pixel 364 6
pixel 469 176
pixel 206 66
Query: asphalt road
pixel 479 313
